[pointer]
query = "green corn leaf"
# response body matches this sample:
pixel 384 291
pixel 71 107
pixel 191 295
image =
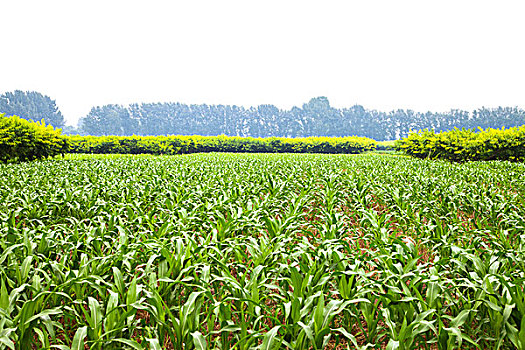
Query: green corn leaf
pixel 154 344
pixel 198 341
pixel 269 338
pixel 131 343
pixel 78 339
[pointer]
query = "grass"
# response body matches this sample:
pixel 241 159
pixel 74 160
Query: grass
pixel 261 251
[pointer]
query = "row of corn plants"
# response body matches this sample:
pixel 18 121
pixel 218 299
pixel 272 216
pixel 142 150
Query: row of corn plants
pixel 261 251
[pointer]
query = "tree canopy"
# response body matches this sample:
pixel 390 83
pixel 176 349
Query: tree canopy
pixel 31 105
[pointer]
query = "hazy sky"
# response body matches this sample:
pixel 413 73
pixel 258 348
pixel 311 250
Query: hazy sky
pixel 383 54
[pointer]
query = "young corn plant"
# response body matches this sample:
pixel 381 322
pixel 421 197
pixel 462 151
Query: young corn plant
pixel 261 251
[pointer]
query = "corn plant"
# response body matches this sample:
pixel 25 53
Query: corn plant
pixel 261 251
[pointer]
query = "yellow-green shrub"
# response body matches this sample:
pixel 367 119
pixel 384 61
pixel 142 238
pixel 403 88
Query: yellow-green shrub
pixel 194 144
pixel 22 140
pixel 464 145
pixel 385 145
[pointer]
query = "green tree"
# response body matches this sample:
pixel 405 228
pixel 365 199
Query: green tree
pixel 31 105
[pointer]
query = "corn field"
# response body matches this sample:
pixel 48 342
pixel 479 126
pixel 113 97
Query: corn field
pixel 261 251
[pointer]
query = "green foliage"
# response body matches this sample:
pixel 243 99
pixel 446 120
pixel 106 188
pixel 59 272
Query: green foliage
pixel 385 145
pixel 466 145
pixel 261 251
pixel 31 105
pixel 197 144
pixel 315 118
pixel 22 140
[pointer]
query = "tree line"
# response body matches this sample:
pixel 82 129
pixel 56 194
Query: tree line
pixel 315 118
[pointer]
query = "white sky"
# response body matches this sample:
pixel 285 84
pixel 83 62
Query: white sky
pixel 382 54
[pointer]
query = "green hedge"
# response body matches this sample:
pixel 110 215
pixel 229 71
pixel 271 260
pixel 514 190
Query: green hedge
pixel 464 145
pixel 22 140
pixel 194 144
pixel 385 145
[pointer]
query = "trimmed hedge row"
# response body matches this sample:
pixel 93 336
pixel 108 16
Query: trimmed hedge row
pixel 465 145
pixel 194 144
pixel 385 145
pixel 22 140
